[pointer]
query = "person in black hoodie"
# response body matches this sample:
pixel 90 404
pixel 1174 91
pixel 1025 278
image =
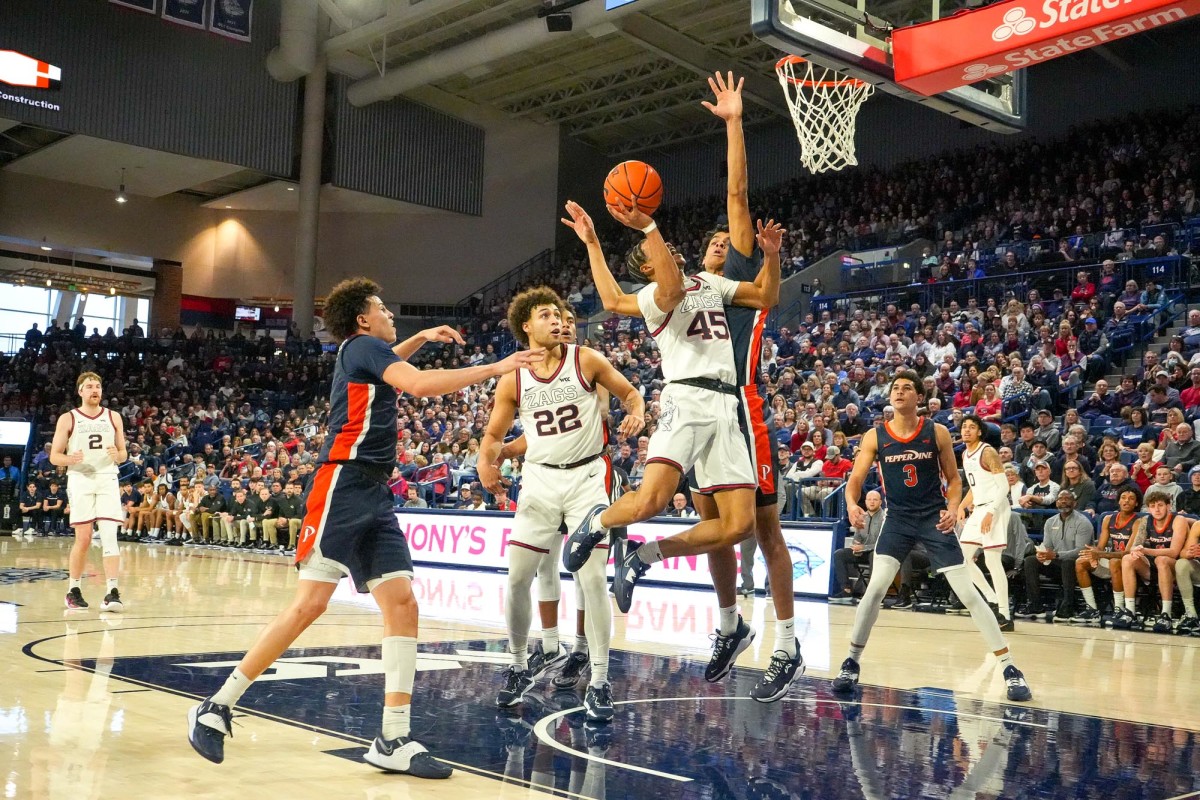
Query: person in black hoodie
pixel 30 502
pixel 54 506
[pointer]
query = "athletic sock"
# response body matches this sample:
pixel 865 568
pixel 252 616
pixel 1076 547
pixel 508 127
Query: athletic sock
pixel 75 583
pixel 1118 600
pixel 550 641
pixel 1089 596
pixel 1169 607
pixel 235 686
pixel 520 657
pixel 1131 604
pixel 581 643
pixel 396 721
pixel 599 673
pixel 1005 659
pixel 1189 607
pixel 856 651
pixel 728 622
pixel 111 583
pixel 650 553
pixel 785 636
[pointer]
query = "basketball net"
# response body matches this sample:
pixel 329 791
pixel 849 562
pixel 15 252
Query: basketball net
pixel 824 108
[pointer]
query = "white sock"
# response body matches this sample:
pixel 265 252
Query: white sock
pixel 1118 600
pixel 111 583
pixel 785 636
pixel 75 583
pixel 856 651
pixel 599 672
pixel 1189 607
pixel 728 622
pixel 520 655
pixel 1005 659
pixel 550 641
pixel 1089 596
pixel 1131 604
pixel 396 721
pixel 1169 607
pixel 581 644
pixel 235 686
pixel 650 553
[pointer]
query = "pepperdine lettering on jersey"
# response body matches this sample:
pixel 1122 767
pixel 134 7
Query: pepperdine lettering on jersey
pixel 908 455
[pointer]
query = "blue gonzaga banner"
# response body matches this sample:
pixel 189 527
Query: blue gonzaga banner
pixel 232 18
pixel 191 13
pixel 148 6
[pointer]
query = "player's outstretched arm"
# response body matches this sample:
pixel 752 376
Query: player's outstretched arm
pixel 513 448
pixel 867 452
pixel 598 369
pixel 611 294
pixel 668 279
pixel 58 446
pixel 500 420
pixel 442 333
pixel 432 382
pixel 727 105
pixel 764 292
pixel 950 475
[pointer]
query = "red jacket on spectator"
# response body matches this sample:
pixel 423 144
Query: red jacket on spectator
pixel 1143 474
pixel 1190 397
pixel 1083 292
pixel 837 470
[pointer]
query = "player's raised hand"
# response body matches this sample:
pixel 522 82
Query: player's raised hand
pixel 75 458
pixel 112 452
pixel 442 333
pixel 630 216
pixel 858 517
pixel 580 222
pixel 769 236
pixel 631 426
pixel 522 358
pixel 728 96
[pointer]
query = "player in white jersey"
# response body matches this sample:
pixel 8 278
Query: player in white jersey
pixel 90 442
pixel 698 423
pixel 987 500
pixel 567 472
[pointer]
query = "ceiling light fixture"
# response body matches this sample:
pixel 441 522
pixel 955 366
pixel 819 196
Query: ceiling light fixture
pixel 112 290
pixel 276 309
pixel 121 198
pixel 47 281
pixel 291 188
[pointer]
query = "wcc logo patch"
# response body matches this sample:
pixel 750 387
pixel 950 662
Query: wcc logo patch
pixel 14 575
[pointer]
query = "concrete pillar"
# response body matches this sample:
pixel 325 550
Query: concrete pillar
pixel 168 295
pixel 311 143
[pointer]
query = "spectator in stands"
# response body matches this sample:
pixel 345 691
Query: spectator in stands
pixel 8 472
pixel 1142 470
pixel 1065 535
pixel 1108 491
pixel 1041 494
pixel 1158 402
pixel 679 508
pixel 1183 452
pixel 1164 482
pixel 502 502
pixel 1190 397
pixel 989 406
pixel 1094 344
pixel 1189 499
pixel 1152 299
pixel 834 469
pixel 413 499
pixel 1100 403
pixel 1075 479
pixel 477 503
pixel 1083 291
pixel 1046 431
pixel 861 550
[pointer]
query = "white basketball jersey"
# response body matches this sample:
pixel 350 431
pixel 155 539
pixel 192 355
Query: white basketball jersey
pixel 560 414
pixel 989 489
pixel 92 435
pixel 694 336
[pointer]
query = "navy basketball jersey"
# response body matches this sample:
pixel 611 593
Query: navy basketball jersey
pixel 1158 538
pixel 745 324
pixel 362 406
pixel 910 470
pixel 1120 531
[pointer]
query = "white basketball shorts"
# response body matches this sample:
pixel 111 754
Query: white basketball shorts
pixel 94 498
pixel 997 536
pixel 549 496
pixel 698 429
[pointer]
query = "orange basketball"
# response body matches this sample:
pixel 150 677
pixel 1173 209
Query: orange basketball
pixel 634 182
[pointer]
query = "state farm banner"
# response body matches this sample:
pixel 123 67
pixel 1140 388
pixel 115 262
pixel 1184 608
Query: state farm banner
pixel 232 18
pixel 191 13
pixel 937 56
pixel 480 540
pixel 148 6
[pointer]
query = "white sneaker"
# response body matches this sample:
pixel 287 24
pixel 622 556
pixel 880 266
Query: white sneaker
pixel 406 756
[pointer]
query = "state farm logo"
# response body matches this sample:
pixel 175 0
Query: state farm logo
pixel 1016 23
pixel 977 72
pixel 18 69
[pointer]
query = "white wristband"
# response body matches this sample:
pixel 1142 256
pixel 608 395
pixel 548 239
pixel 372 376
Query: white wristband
pixel 652 226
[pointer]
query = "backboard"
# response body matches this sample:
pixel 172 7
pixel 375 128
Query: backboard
pixel 855 40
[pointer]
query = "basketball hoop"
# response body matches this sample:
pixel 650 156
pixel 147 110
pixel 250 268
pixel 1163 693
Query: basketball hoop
pixel 824 108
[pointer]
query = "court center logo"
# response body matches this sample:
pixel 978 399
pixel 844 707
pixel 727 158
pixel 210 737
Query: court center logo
pixel 13 575
pixel 1016 23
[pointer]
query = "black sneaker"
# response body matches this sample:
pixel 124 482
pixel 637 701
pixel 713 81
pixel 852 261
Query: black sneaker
pixel 1063 614
pixel 580 544
pixel 405 756
pixel 540 662
pixel 598 703
pixel 1027 611
pixel 1187 626
pixel 626 574
pixel 112 601
pixel 176 542
pixel 1164 624
pixel 778 678
pixel 1018 690
pixel 847 678
pixel 572 671
pixel 955 606
pixel 904 601
pixel 726 649
pixel 1122 619
pixel 208 725
pixel 75 599
pixel 1087 616
pixel 517 682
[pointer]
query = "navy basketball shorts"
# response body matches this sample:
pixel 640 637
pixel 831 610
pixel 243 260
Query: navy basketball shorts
pixel 350 529
pixel 902 532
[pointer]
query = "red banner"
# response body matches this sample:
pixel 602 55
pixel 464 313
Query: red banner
pixel 936 56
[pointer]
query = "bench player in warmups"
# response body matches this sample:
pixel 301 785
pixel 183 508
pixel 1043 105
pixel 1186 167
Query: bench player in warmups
pixel 567 472
pixel 988 502
pixel 90 442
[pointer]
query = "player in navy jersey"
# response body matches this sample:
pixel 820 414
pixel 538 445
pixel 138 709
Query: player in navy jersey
pixel 349 526
pixel 915 457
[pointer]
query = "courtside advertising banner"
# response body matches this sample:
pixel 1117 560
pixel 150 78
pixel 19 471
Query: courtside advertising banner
pixel 480 540
pixel 937 56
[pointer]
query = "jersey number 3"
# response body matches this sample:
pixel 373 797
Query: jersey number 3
pixel 910 475
pixel 709 325
pixel 548 424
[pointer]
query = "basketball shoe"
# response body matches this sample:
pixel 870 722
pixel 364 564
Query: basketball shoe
pixel 517 682
pixel 75 599
pixel 208 725
pixel 1018 689
pixel 406 756
pixel 580 544
pixel 626 574
pixel 726 649
pixel 781 673
pixel 572 671
pixel 541 662
pixel 598 703
pixel 847 678
pixel 112 601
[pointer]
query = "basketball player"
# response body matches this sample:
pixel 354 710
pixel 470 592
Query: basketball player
pixel 697 426
pixel 90 442
pixel 567 472
pixel 987 501
pixel 349 526
pixel 1157 541
pixel 1187 575
pixel 915 456
pixel 732 254
pixel 1116 530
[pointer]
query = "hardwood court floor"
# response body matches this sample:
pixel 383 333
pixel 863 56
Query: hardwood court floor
pixel 94 705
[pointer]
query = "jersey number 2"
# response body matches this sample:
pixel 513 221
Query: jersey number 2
pixel 709 325
pixel 95 441
pixel 567 420
pixel 910 475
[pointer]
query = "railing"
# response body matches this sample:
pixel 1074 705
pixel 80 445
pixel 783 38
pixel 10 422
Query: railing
pixel 504 284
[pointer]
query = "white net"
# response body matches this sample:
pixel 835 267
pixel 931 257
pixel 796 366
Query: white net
pixel 824 108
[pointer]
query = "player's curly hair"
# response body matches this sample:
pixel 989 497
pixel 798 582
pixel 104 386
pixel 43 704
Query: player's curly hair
pixel 1156 495
pixel 522 306
pixel 343 305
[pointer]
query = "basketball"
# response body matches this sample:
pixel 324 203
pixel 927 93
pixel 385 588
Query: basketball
pixel 634 182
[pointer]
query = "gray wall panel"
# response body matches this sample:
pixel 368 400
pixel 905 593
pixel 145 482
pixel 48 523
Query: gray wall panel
pixel 406 151
pixel 137 79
